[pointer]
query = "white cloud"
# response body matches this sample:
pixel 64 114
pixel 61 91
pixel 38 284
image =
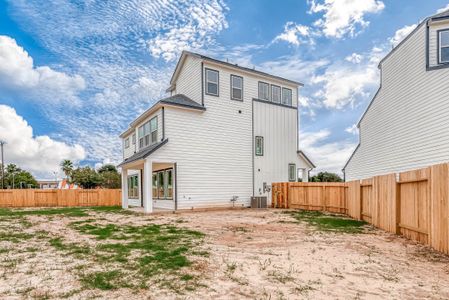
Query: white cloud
pixel 18 73
pixel 39 154
pixel 443 9
pixel 354 58
pixel 344 17
pixel 295 34
pixel 352 129
pixel 204 20
pixel 401 34
pixel 326 155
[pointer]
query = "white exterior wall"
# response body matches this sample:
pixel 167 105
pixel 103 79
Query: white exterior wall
pixel 189 79
pixel 127 152
pixel 407 125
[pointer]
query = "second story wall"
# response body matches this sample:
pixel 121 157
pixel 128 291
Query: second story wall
pixel 189 79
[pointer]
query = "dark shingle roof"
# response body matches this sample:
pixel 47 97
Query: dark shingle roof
pixel 143 153
pixel 182 100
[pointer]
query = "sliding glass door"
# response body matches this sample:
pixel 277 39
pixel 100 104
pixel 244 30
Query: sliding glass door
pixel 163 184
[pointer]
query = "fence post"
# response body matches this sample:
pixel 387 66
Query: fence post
pixel 323 204
pixel 398 206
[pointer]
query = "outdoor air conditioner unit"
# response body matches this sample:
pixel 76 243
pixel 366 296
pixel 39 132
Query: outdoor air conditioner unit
pixel 259 202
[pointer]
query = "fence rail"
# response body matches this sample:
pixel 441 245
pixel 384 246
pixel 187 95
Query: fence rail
pixel 47 198
pixel 414 204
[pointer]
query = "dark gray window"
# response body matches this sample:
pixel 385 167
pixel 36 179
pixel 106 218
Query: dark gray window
pixel 163 184
pixel 236 87
pixel 444 46
pixel 286 96
pixel 275 93
pixel 264 91
pixel 291 172
pixel 212 81
pixel 259 145
pixel 148 133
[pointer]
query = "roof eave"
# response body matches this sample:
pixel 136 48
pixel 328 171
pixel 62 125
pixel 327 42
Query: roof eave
pixel 306 158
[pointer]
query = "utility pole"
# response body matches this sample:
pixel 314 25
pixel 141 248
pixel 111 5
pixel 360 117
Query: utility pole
pixel 3 164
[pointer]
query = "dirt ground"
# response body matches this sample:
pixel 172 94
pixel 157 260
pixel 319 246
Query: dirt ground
pixel 251 254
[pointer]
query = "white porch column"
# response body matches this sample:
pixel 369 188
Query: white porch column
pixel 148 186
pixel 124 188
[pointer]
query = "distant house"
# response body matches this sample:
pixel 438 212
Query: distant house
pixel 47 184
pixel 406 126
pixel 223 135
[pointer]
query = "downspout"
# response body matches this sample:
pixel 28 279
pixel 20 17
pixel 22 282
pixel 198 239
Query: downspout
pixel 176 186
pixel 202 83
pixel 163 123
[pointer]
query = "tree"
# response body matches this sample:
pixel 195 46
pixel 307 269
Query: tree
pixel 15 177
pixel 326 177
pixel 67 167
pixel 86 177
pixel 110 177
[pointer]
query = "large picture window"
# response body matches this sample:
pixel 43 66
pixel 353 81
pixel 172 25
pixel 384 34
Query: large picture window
pixel 148 133
pixel 259 145
pixel 264 91
pixel 444 46
pixel 212 82
pixel 133 187
pixel 236 87
pixel 286 96
pixel 163 184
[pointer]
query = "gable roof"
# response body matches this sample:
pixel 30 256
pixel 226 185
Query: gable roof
pixel 185 53
pixel 306 158
pixel 179 100
pixel 145 152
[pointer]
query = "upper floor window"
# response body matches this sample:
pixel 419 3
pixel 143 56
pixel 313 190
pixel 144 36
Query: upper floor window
pixel 148 133
pixel 212 79
pixel 291 172
pixel 286 96
pixel 264 91
pixel 134 139
pixel 236 87
pixel 275 93
pixel 444 46
pixel 127 142
pixel 259 145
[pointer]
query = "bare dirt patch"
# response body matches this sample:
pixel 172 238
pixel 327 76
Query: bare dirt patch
pixel 265 254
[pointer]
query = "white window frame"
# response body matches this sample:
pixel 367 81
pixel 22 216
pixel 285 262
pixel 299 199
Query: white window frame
pixel 145 132
pixel 440 46
pixel 133 186
pixel 258 139
pixel 260 96
pixel 127 143
pixel 134 139
pixel 208 81
pixel 236 88
pixel 284 89
pixel 292 179
pixel 272 93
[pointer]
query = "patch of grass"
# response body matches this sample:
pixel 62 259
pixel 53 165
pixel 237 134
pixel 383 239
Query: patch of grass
pixel 70 248
pixel 66 211
pixel 328 222
pixel 108 280
pixel 14 237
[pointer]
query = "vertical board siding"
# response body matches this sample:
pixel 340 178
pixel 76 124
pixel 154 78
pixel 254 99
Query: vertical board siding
pixel 55 198
pixel 412 203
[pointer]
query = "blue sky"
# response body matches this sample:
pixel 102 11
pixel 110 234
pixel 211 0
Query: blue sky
pixel 73 74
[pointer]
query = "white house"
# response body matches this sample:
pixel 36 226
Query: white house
pixel 223 135
pixel 406 126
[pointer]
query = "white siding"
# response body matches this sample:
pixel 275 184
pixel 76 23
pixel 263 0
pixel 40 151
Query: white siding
pixel 189 79
pixel 407 125
pixel 278 127
pixel 127 152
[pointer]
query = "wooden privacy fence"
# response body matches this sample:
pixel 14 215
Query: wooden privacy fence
pixel 47 198
pixel 414 204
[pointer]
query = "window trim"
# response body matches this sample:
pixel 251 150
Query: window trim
pixel 218 82
pixel 135 189
pixel 280 93
pixel 258 90
pixel 291 96
pixel 290 179
pixel 134 139
pixel 127 143
pixel 232 97
pixel 255 145
pixel 439 32
pixel 143 138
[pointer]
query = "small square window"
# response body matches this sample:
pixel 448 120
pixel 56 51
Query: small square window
pixel 212 80
pixel 259 145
